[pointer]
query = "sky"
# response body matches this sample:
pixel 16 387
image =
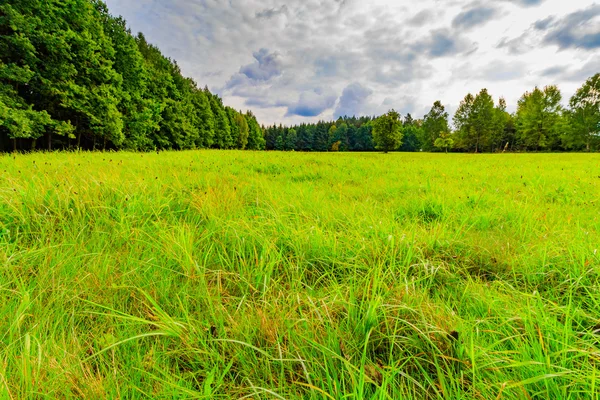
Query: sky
pixel 308 60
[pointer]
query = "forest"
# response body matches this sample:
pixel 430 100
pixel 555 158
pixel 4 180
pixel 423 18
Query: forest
pixel 72 76
pixel 540 123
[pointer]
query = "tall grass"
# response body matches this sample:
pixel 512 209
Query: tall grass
pixel 286 276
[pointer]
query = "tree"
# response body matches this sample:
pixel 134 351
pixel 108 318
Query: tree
pixel 71 72
pixel 435 122
pixel 538 118
pixel 445 141
pixel 387 132
pixel 505 136
pixel 256 140
pixel 340 134
pixel 290 140
pixel 584 116
pixel 321 137
pixel 304 137
pixel 223 139
pixel 243 129
pixel 412 132
pixel 478 122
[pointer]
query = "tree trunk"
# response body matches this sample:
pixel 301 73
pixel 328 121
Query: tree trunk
pixel 79 141
pixel 49 141
pixel 587 144
pixel 15 145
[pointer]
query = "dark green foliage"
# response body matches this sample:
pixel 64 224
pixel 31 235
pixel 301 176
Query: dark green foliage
pixel 434 123
pixel 290 140
pixel 350 134
pixel 479 124
pixel 387 132
pixel 584 117
pixel 72 75
pixel 256 139
pixel 412 130
pixel 539 119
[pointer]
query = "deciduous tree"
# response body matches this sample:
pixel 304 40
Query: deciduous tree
pixel 387 132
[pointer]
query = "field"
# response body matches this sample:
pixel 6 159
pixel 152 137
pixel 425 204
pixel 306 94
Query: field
pixel 223 275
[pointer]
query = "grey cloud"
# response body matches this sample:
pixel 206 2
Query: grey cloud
pixel 404 105
pixel 553 71
pixel 394 76
pixel 517 46
pixel 312 103
pixel 474 17
pixel 526 3
pixel 586 71
pixel 263 102
pixel 339 64
pixel 499 70
pixel 543 24
pixel 353 101
pixel 576 30
pixel 494 71
pixel 421 18
pixel 564 73
pixel 442 43
pixel 267 66
pixel 272 12
pixel 391 47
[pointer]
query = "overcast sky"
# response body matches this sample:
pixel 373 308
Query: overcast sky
pixel 305 60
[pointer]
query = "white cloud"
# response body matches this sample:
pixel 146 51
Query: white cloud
pixel 303 60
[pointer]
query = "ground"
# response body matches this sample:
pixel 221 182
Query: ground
pixel 263 275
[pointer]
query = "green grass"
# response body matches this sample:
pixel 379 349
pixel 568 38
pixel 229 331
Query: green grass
pixel 284 276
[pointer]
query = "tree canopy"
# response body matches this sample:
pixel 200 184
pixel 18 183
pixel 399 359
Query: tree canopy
pixel 81 79
pixel 387 132
pixel 74 76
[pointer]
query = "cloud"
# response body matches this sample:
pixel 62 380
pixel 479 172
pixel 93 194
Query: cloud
pixel 491 72
pixel 520 45
pixel 543 24
pixel 580 29
pixel 399 75
pixel 573 74
pixel 392 48
pixel 267 66
pixel 353 101
pixel 421 18
pixel 553 71
pixel 526 3
pixel 404 105
pixel 474 17
pixel 312 103
pixel 499 71
pixel 443 42
pixel 272 12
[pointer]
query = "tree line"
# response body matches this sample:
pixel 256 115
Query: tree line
pixel 540 123
pixel 74 76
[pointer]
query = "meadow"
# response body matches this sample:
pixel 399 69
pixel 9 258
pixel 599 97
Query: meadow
pixel 260 275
